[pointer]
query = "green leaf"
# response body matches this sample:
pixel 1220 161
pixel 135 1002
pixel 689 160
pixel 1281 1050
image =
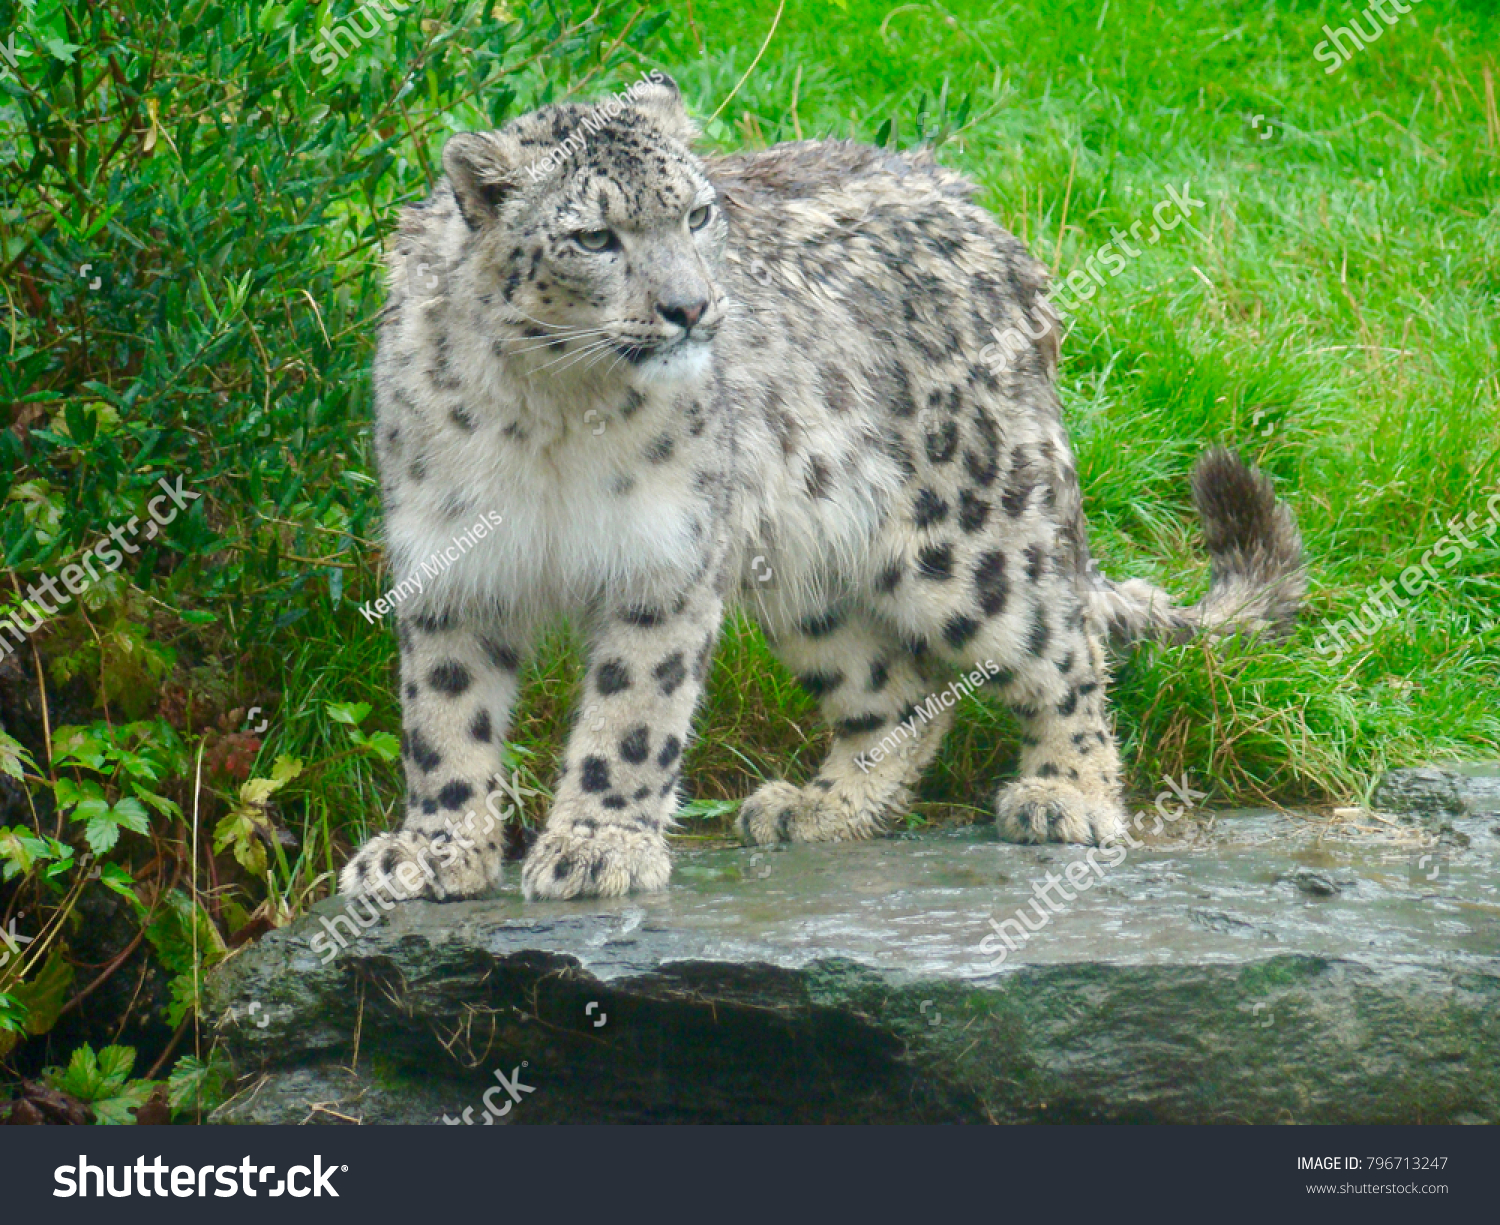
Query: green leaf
pixel 131 813
pixel 14 759
pixel 45 992
pixel 60 50
pixel 101 834
pixel 20 849
pixel 352 713
pixel 81 1078
pixel 198 1085
pixel 102 1080
pixel 285 769
pixel 70 794
pixel 91 806
pixel 77 744
pixel 707 810
pixel 384 745
pixel 115 1110
pixel 167 808
pixel 115 1063
pixel 12 1023
pixel 113 876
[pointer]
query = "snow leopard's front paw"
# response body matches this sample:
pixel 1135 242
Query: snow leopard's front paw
pixel 590 858
pixel 407 865
pixel 1047 810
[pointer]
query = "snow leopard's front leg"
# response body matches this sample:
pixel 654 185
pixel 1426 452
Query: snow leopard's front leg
pixel 459 681
pixel 618 792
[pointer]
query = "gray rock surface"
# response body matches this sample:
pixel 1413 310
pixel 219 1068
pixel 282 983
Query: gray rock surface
pixel 1256 968
pixel 1436 792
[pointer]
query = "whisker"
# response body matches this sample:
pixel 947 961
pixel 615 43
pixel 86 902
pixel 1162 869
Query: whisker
pixel 572 357
pixel 555 327
pixel 549 344
pixel 595 354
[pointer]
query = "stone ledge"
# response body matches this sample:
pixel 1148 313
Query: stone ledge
pixel 1259 968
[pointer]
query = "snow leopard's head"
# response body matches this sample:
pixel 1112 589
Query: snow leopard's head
pixel 595 236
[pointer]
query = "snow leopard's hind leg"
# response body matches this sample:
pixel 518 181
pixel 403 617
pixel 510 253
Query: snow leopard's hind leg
pixel 868 686
pixel 996 591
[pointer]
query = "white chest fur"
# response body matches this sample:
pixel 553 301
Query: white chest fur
pixel 573 511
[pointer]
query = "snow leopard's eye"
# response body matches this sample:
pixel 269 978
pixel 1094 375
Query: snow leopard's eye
pixel 698 218
pixel 594 240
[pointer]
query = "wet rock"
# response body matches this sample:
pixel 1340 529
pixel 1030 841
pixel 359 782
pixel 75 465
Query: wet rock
pixel 1314 884
pixel 1212 978
pixel 1432 793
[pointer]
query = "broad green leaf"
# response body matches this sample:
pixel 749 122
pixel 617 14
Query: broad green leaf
pixel 60 50
pixel 387 746
pixel 70 744
pixel 101 834
pixel 14 759
pixel 115 1109
pixel 286 769
pixel 196 1085
pixel 352 713
pixel 113 876
pixel 19 850
pixel 167 808
pixel 131 813
pixel 45 992
pixel 115 1063
pixel 81 1078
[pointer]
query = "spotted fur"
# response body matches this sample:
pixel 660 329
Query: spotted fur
pixel 680 381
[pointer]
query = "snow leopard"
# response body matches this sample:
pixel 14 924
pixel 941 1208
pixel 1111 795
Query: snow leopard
pixel 680 381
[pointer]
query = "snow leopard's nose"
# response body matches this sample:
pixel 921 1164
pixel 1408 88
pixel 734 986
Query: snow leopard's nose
pixel 685 314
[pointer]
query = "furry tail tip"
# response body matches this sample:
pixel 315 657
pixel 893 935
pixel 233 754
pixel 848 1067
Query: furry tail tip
pixel 1255 550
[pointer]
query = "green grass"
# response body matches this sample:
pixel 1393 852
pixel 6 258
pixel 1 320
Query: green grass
pixel 1338 292
pixel 1331 311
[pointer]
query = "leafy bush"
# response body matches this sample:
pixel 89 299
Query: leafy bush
pixel 193 202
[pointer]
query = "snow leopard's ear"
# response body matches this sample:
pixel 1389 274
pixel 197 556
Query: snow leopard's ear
pixel 482 168
pixel 660 101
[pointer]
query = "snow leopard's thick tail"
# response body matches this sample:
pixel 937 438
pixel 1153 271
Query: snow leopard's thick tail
pixel 1255 550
